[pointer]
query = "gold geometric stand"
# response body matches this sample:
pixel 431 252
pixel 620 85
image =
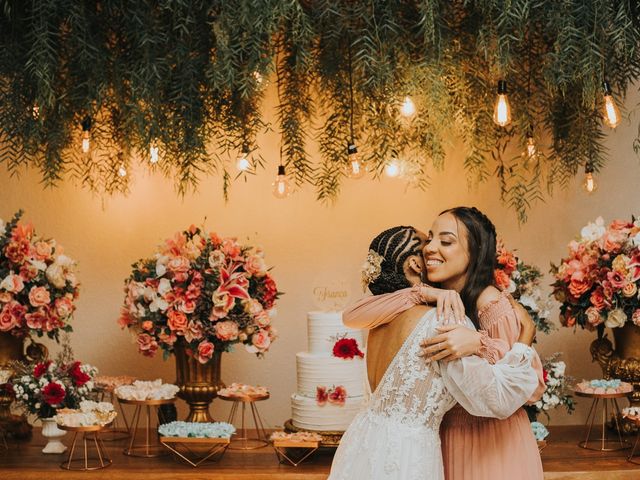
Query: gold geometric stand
pixel 148 449
pixel 92 432
pixel 114 431
pixel 243 442
pixel 298 451
pixel 217 448
pixel 630 458
pixel 606 444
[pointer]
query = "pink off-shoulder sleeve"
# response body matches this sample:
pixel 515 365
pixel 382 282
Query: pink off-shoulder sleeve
pixel 500 321
pixel 369 312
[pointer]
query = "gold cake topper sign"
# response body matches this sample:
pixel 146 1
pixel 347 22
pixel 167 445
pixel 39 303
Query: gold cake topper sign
pixel 331 296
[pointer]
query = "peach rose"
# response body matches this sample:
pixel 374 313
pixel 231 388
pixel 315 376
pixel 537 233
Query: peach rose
pixel 12 283
pixel 254 265
pixel 593 316
pixel 597 298
pixel 178 264
pixel 64 307
pixel 147 345
pixel 187 306
pixel 501 279
pixel 227 330
pixel 177 321
pixel 5 297
pixel 205 351
pixel 216 259
pixel 147 325
pixel 261 340
pixel 222 303
pixel 39 296
pixel 193 332
pixel 635 318
pixel 42 250
pixel 11 316
pixel 263 319
pixel 252 307
pixel 579 284
pixel 36 320
pixel 629 290
pixel 169 339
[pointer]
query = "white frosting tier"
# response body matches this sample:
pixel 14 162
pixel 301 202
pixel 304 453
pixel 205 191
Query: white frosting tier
pixel 307 414
pixel 324 329
pixel 323 370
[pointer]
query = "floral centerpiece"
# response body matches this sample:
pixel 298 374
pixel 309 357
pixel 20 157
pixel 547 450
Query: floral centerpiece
pixel 209 291
pixel 38 285
pixel 523 282
pixel 556 393
pixel 597 284
pixel 48 386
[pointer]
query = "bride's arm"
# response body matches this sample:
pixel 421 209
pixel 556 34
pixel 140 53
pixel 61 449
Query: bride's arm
pixel 486 390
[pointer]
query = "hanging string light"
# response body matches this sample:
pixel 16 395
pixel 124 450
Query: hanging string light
pixel 392 168
pixel 281 184
pixel 408 108
pixel 122 171
pixel 243 163
pixel 86 128
pixel 153 152
pixel 531 148
pixel 531 145
pixel 356 168
pixel 501 108
pixel 589 183
pixel 610 112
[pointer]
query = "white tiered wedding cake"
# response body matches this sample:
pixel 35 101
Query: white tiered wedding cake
pixel 331 375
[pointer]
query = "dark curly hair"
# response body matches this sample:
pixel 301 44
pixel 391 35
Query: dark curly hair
pixel 394 245
pixel 481 241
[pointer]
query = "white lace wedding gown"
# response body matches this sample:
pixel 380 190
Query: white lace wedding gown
pixel 396 435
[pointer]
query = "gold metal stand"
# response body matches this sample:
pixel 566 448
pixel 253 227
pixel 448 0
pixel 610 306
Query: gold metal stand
pixel 92 432
pixel 148 449
pixel 292 452
pixel 217 448
pixel 606 444
pixel 636 422
pixel 114 432
pixel 243 442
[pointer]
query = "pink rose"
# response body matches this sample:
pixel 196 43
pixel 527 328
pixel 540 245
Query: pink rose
pixel 252 307
pixel 147 325
pixel 261 340
pixel 29 271
pixel 254 265
pixel 17 251
pixel 42 250
pixel 621 225
pixel 597 299
pixel 193 332
pixel 11 316
pixel 579 284
pixel 12 283
pixel 177 321
pixel 187 306
pixel 216 259
pixel 64 307
pixel 262 319
pixel 205 351
pixel 39 296
pixel 222 303
pixel 180 267
pixel 168 339
pixel 613 240
pixel 36 320
pixel 227 330
pixel 617 280
pixel 147 345
pixel 231 248
pixel 635 318
pixel 593 316
pixel 5 297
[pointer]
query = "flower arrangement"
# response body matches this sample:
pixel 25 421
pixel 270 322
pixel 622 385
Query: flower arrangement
pixel 38 284
pixel 557 384
pixel 371 269
pixel 336 395
pixel 48 386
pixel 522 281
pixel 346 348
pixel 207 291
pixel 597 284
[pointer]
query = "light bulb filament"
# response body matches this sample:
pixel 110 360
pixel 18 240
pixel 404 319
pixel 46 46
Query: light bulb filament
pixel 86 144
pixel 408 108
pixel 612 115
pixel 153 153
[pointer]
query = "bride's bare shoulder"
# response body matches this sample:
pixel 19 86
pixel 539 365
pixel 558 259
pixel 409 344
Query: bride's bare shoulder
pixel 488 295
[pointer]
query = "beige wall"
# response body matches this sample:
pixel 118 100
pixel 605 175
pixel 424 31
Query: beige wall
pixel 309 244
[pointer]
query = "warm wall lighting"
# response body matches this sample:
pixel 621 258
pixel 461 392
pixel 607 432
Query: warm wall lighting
pixel 356 167
pixel 408 108
pixel 610 112
pixel 392 169
pixel 589 183
pixel 502 109
pixel 281 184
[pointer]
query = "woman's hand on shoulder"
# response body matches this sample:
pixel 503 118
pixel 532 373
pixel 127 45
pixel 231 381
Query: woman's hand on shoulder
pixel 453 342
pixel 449 306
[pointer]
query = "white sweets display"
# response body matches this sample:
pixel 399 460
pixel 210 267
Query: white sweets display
pixel 330 388
pixel 143 390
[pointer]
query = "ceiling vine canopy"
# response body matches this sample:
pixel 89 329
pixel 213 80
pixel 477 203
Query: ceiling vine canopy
pixel 179 84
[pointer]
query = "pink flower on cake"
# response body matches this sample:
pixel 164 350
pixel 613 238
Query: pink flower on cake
pixel 321 395
pixel 205 351
pixel 226 330
pixel 39 296
pixel 12 283
pixel 347 348
pixel 338 395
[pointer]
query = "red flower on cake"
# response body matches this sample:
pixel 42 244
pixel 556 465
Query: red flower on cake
pixel 321 395
pixel 53 393
pixel 347 348
pixel 338 395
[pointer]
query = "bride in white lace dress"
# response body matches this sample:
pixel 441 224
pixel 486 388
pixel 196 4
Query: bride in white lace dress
pixel 396 435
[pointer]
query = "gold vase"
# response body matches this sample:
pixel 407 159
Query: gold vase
pixel 11 350
pixel 199 383
pixel 623 361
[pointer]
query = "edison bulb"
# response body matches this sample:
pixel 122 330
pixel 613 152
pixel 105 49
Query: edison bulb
pixel 408 108
pixel 35 111
pixel 392 169
pixel 122 172
pixel 243 163
pixel 258 76
pixel 356 167
pixel 153 153
pixel 501 108
pixel 281 184
pixel 610 112
pixel 531 146
pixel 86 143
pixel 589 184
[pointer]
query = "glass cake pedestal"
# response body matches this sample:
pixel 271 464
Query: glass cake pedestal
pixel 329 439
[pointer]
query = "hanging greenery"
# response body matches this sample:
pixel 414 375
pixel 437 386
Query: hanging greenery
pixel 188 77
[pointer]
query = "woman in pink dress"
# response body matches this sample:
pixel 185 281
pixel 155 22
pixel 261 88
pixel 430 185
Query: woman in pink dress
pixel 460 255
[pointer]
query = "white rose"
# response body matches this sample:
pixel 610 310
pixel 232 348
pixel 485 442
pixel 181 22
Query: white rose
pixel 616 318
pixel 55 274
pixel 528 301
pixel 164 286
pixel 161 265
pixel 512 286
pixel 593 231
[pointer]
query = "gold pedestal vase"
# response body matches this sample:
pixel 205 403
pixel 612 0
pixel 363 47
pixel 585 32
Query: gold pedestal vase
pixel 621 362
pixel 11 350
pixel 199 383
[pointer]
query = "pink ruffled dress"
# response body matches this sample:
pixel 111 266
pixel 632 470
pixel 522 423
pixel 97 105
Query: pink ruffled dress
pixel 473 448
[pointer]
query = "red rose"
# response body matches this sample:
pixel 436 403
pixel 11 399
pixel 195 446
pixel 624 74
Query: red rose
pixel 41 368
pixel 321 395
pixel 270 292
pixel 79 377
pixel 347 348
pixel 53 393
pixel 545 376
pixel 338 395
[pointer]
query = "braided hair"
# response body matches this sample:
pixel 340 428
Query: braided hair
pixel 481 244
pixel 394 245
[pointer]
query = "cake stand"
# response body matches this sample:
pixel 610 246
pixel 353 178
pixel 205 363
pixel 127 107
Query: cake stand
pixel 330 439
pixel 88 431
pixel 606 444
